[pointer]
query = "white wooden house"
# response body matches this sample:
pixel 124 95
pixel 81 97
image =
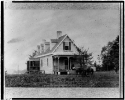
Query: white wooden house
pixel 55 56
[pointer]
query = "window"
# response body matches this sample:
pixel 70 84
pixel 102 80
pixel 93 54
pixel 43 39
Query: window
pixel 28 65
pixel 66 45
pixel 47 61
pixel 41 62
pixel 32 63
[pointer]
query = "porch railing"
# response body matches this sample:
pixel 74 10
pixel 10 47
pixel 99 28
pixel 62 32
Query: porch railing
pixel 61 70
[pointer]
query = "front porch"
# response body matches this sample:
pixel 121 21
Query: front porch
pixel 63 64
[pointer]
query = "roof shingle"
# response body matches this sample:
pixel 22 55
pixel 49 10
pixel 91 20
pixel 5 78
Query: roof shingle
pixel 55 40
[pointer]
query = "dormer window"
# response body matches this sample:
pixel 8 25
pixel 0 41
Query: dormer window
pixel 66 45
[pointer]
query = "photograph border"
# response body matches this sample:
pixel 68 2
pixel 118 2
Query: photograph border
pixel 121 60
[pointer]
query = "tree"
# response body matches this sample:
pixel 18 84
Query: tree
pixel 115 53
pixel 95 64
pixel 84 58
pixel 110 55
pixel 33 54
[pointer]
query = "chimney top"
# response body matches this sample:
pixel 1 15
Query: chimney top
pixel 43 41
pixel 38 46
pixel 42 45
pixel 59 34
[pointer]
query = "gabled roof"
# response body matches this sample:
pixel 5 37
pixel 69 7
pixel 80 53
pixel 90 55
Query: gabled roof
pixel 48 51
pixel 73 43
pixel 47 43
pixel 59 41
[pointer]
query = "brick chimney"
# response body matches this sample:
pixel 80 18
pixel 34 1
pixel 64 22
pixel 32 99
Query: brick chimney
pixel 47 46
pixel 38 48
pixel 59 34
pixel 41 48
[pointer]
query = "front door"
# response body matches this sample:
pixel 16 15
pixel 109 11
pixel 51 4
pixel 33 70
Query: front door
pixel 66 64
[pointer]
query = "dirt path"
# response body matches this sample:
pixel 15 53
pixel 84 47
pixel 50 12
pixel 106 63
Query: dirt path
pixel 62 93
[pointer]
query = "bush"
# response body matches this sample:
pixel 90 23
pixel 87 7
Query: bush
pixel 99 79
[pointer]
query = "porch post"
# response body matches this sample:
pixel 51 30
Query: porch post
pixel 58 65
pixel 53 65
pixel 68 64
pixel 29 66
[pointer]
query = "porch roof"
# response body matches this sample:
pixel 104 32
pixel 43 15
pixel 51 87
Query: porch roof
pixel 34 59
pixel 65 53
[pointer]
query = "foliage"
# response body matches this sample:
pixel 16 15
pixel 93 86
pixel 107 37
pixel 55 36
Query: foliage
pixel 95 64
pixel 98 67
pixel 110 55
pixel 84 58
pixel 49 80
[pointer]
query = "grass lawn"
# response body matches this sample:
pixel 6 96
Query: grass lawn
pixel 98 79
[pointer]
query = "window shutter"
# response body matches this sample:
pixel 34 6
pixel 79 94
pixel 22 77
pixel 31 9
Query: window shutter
pixel 63 45
pixel 34 63
pixel 39 63
pixel 69 45
pixel 27 65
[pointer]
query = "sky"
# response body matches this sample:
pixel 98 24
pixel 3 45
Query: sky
pixel 25 25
